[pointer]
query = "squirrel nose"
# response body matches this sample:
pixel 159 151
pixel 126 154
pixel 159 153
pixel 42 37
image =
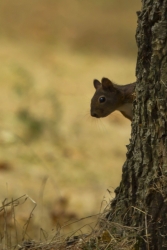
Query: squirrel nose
pixel 94 115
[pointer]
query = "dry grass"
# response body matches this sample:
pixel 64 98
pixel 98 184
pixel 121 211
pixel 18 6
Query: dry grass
pixel 109 235
pixel 50 148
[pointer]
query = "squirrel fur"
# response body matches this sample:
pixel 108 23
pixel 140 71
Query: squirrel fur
pixel 110 97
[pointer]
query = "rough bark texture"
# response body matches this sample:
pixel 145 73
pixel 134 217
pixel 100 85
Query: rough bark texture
pixel 141 198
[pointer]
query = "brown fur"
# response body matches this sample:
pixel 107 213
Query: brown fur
pixel 110 97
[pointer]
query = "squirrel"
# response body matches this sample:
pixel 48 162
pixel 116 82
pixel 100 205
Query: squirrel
pixel 110 97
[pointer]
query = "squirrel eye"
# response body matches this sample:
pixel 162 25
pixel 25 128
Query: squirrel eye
pixel 102 99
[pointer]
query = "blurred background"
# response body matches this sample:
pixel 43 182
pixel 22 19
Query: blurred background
pixel 52 152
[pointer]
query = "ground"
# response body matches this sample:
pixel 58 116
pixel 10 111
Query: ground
pixel 52 151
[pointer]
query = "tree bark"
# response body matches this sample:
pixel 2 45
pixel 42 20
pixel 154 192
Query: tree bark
pixel 141 199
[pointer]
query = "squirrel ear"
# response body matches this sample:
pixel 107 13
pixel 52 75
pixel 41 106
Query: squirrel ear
pixel 96 84
pixel 107 84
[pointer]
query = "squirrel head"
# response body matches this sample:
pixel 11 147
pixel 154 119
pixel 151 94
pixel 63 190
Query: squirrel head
pixel 106 99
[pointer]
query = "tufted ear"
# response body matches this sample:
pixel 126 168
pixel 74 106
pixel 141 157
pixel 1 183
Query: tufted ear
pixel 96 84
pixel 107 85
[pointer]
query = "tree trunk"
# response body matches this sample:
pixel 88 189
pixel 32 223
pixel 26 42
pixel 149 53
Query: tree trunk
pixel 141 199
